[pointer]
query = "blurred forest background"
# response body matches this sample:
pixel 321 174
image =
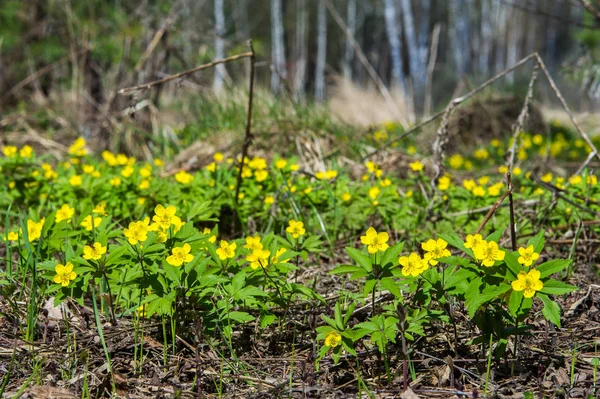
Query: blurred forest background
pixel 69 57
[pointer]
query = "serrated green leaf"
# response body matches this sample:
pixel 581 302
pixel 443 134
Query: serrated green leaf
pixel 552 266
pixel 537 241
pixel 363 260
pixel 390 284
pixel 391 254
pixel 555 287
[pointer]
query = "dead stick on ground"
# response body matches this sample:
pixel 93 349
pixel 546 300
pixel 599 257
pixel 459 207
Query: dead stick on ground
pixel 248 137
pixel 491 212
pixel 149 85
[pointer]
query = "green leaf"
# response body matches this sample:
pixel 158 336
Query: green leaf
pixel 511 261
pixel 495 236
pixel 363 260
pixel 538 241
pixel 515 302
pixel 267 319
pixel 551 310
pixel 391 254
pixel 390 284
pixel 369 284
pixel 555 287
pixel 552 266
pixel 346 269
pixel 240 317
pixel 454 240
pixel 455 261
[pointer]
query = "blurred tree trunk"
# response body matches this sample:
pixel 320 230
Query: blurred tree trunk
pixel 349 51
pixel 461 45
pixel 277 47
pixel 394 39
pixel 487 37
pixel 219 45
pixel 424 33
pixel 501 22
pixel 301 49
pixel 321 51
pixel 414 58
pixel 512 41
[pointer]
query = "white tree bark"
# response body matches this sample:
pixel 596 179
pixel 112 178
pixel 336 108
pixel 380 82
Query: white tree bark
pixel 513 42
pixel 460 17
pixel 301 49
pixel 487 37
pixel 417 69
pixel 393 34
pixel 424 33
pixel 219 45
pixel 277 47
pixel 500 34
pixel 349 51
pixel 321 51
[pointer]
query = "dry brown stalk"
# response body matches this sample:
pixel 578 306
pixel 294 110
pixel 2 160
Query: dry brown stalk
pixel 149 85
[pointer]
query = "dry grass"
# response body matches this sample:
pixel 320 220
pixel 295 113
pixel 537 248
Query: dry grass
pixel 366 107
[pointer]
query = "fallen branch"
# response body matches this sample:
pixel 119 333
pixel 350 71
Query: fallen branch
pixel 149 85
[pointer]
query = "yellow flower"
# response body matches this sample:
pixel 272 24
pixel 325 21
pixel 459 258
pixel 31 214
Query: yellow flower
pixel 346 197
pixel 144 184
pixel 75 180
pixel 9 151
pixel 528 256
pixel 89 169
pixel 26 151
pixel 109 158
pixel 226 250
pixel 503 169
pixel 469 184
pixel 374 192
pixel 258 163
pixel 328 175
pixel 473 240
pixel 435 249
pixel 12 236
pixel 253 243
pixel 538 139
pixel 146 171
pixel 258 258
pixel 280 163
pixel 64 213
pixel 177 223
pixel 495 143
pixel 412 265
pixel 529 283
pixel 444 183
pixel 164 216
pixel 517 171
pixel 416 166
pixel 180 255
pixel 184 177
pixel 115 182
pixel 64 274
pixel 294 167
pixel 372 167
pixel 375 241
pixel 385 183
pixel 88 223
pixel 488 253
pixel 137 231
pixel 547 178
pixel 575 180
pixel 478 191
pixel 218 157
pixel 127 171
pixel 456 161
pixel 34 230
pixel 276 260
pixel 100 209
pixel 483 180
pixel 482 154
pixel 122 159
pixel 494 189
pixel 261 175
pixel 212 239
pixel 269 200
pixel 94 252
pixel 78 147
pixel 333 339
pixel 296 229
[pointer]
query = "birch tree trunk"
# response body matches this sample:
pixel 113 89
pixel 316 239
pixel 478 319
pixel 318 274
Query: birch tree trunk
pixel 512 42
pixel 349 51
pixel 424 33
pixel 301 49
pixel 321 51
pixel 219 45
pixel 417 69
pixel 459 17
pixel 487 37
pixel 393 34
pixel 501 22
pixel 277 47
